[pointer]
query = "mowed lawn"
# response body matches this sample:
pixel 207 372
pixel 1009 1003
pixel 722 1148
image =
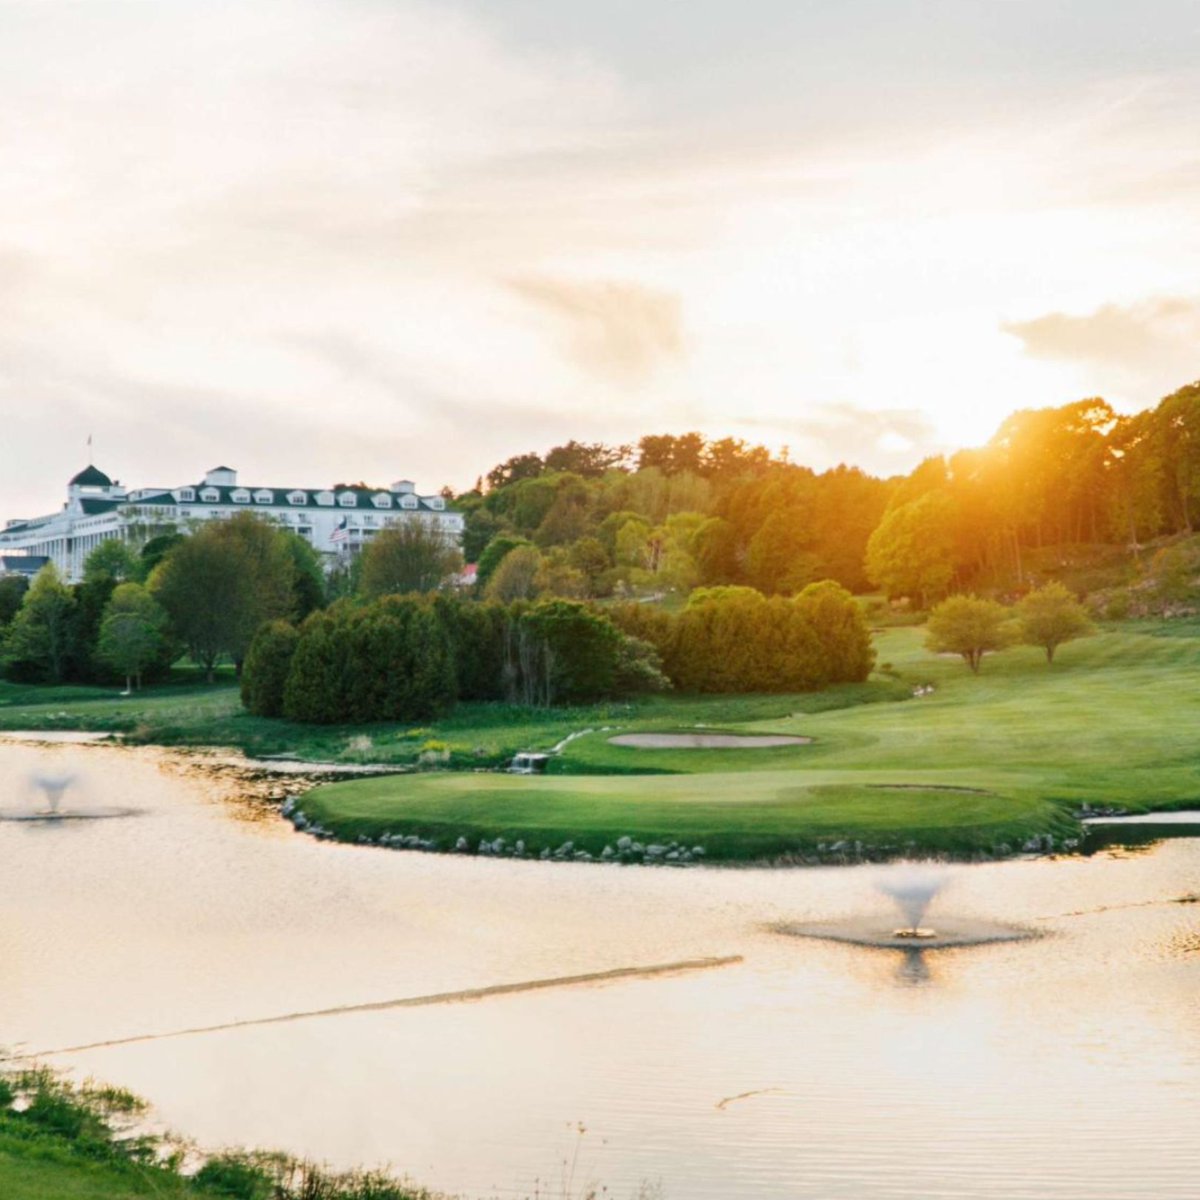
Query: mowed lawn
pixel 982 762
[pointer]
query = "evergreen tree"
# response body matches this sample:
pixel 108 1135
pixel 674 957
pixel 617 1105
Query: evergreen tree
pixel 268 662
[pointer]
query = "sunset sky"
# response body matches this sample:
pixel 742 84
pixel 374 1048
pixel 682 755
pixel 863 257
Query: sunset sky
pixel 353 239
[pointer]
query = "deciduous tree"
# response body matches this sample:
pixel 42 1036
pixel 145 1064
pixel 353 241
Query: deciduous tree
pixel 969 626
pixel 40 638
pixel 132 632
pixel 1050 616
pixel 407 558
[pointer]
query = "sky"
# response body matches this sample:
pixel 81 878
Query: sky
pixel 332 240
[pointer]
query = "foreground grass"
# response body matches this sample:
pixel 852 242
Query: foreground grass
pixel 983 764
pixel 60 1142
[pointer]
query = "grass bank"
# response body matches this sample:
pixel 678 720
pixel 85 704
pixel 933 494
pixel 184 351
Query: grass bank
pixel 59 1142
pixel 190 713
pixel 983 764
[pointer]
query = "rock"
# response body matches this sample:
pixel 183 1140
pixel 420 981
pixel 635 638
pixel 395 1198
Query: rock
pixel 654 851
pixel 485 847
pixel 637 848
pixel 1032 846
pixel 545 854
pixel 582 856
pixel 519 848
pixel 462 845
pixel 624 844
pixel 839 847
pixel 697 851
pixel 498 846
pixel 607 853
pixel 672 856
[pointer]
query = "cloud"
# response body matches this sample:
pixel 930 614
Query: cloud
pixel 1147 348
pixel 619 331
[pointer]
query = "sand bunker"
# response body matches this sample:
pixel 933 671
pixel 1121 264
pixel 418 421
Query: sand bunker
pixel 705 741
pixel 879 932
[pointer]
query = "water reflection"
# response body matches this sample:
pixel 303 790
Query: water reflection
pixel 914 969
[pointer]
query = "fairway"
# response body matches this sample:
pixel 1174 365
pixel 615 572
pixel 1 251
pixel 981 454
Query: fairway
pixel 981 764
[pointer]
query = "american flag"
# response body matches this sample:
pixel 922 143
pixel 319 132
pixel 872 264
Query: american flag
pixel 342 532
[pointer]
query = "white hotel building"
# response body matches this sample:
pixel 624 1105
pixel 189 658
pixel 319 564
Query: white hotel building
pixel 338 523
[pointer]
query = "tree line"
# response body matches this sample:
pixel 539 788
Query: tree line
pixel 679 512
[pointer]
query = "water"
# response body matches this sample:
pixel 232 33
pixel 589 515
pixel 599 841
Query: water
pixel 1063 1067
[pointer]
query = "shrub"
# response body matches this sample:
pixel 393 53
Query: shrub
pixel 265 673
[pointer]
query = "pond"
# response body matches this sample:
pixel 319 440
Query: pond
pixel 1063 1066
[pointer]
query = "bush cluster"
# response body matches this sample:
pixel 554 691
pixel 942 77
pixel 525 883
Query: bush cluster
pixel 734 639
pixel 410 658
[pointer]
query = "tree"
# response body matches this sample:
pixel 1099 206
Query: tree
pixel 268 662
pixel 911 553
pixel 520 466
pixel 589 557
pixel 91 599
pixel 132 632
pixel 12 592
pixel 113 559
pixel 1051 616
pixel 407 558
pixel 846 652
pixel 221 583
pixel 565 653
pixel 590 459
pixel 779 557
pixel 516 576
pixel 387 661
pixel 156 549
pixel 40 638
pixel 494 554
pixel 480 527
pixel 308 578
pixel 968 626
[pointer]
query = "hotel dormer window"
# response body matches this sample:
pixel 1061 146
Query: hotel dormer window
pixel 382 500
pixel 264 496
pixel 437 502
pixel 185 495
pixel 348 500
pixel 408 502
pixel 210 495
pixel 240 496
pixel 297 497
pixel 325 498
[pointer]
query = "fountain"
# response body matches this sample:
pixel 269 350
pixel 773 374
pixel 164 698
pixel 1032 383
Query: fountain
pixel 52 787
pixel 912 887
